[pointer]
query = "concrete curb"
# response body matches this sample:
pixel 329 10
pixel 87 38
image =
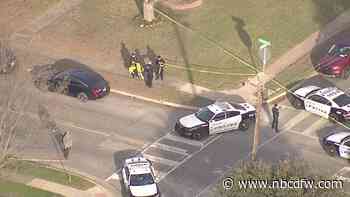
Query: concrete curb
pixel 161 102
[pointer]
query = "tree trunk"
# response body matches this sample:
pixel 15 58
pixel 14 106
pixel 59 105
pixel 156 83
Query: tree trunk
pixel 148 10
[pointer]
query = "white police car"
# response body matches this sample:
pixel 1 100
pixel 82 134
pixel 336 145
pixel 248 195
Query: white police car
pixel 138 177
pixel 338 144
pixel 327 102
pixel 216 118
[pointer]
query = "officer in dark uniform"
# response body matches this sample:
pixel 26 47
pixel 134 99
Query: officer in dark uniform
pixel 160 64
pixel 275 115
pixel 148 74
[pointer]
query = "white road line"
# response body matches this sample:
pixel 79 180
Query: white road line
pixel 302 134
pixel 315 126
pixel 169 148
pixel 295 120
pixel 339 174
pixel 159 174
pixel 183 140
pixel 190 156
pixel 161 160
pixel 114 176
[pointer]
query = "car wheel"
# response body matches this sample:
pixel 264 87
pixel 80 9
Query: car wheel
pixel 83 97
pixel 197 136
pixel 334 118
pixel 244 125
pixel 346 73
pixel 331 150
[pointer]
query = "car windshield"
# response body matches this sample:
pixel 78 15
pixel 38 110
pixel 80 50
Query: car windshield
pixel 236 106
pixel 141 179
pixel 342 100
pixel 204 114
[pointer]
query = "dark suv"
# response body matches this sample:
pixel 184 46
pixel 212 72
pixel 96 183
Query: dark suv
pixel 336 62
pixel 75 79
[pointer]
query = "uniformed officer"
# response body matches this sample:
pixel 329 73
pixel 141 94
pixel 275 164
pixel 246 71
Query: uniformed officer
pixel 160 64
pixel 148 74
pixel 133 57
pixel 139 69
pixel 275 114
pixel 132 70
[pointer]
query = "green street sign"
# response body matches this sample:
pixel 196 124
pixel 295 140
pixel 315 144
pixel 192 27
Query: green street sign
pixel 264 43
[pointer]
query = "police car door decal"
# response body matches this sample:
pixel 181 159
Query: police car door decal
pixel 344 149
pixel 317 107
pixel 217 124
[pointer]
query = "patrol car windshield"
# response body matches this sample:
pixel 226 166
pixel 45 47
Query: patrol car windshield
pixel 342 100
pixel 204 114
pixel 141 179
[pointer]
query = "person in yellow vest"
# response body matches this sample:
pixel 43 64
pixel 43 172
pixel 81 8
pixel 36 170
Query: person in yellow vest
pixel 139 69
pixel 132 70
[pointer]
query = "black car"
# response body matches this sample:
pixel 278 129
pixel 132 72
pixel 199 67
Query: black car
pixel 75 79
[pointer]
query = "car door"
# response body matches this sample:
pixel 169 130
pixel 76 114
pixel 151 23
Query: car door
pixel 217 123
pixel 233 118
pixel 75 86
pixel 344 149
pixel 318 105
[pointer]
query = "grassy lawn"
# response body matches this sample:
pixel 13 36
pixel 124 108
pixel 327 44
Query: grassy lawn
pixel 302 69
pixel 96 29
pixel 11 189
pixel 40 171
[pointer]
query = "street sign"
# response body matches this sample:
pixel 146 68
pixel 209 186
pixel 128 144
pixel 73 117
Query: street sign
pixel 264 50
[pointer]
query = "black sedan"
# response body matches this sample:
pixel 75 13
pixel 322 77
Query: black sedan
pixel 75 79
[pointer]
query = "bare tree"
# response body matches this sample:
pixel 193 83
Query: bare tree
pixel 13 101
pixel 7 58
pixel 148 10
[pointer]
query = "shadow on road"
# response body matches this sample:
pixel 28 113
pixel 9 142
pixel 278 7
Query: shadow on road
pixel 326 11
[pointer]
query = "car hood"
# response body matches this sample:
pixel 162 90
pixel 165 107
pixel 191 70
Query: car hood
pixel 305 90
pixel 337 137
pixel 328 61
pixel 190 121
pixel 144 190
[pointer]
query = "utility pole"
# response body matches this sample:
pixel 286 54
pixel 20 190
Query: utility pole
pixel 264 56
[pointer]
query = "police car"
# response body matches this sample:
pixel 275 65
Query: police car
pixel 328 102
pixel 216 118
pixel 138 177
pixel 338 144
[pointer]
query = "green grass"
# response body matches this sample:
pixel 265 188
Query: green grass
pixel 11 189
pixel 104 25
pixel 40 171
pixel 301 70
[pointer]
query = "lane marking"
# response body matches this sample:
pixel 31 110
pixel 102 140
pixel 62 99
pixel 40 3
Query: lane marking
pixel 192 155
pixel 340 173
pixel 315 126
pixel 302 134
pixel 114 176
pixel 183 140
pixel 169 148
pixel 161 160
pixel 295 120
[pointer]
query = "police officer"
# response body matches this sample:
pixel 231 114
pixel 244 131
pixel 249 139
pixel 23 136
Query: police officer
pixel 148 74
pixel 275 114
pixel 133 57
pixel 132 70
pixel 139 69
pixel 160 65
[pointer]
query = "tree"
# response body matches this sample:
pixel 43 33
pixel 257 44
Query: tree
pixel 283 171
pixel 148 10
pixel 13 101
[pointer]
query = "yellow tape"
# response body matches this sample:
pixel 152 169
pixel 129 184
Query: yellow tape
pixel 209 72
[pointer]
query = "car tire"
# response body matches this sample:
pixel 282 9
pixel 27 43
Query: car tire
pixel 345 74
pixel 244 125
pixel 331 150
pixel 197 136
pixel 83 97
pixel 334 118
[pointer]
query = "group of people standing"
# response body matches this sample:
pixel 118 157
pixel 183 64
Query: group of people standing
pixel 148 70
